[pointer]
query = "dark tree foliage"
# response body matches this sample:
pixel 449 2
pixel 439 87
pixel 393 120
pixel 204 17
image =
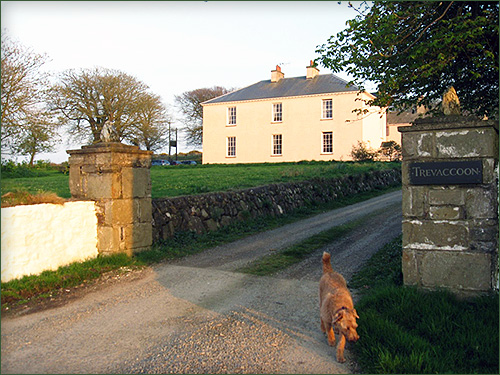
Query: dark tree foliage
pixel 414 51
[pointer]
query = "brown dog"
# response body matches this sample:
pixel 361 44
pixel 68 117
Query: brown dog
pixel 336 308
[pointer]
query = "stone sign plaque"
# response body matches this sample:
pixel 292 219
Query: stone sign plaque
pixel 446 173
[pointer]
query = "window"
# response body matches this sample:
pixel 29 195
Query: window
pixel 277 112
pixel 327 142
pixel 327 109
pixel 277 144
pixel 231 116
pixel 231 147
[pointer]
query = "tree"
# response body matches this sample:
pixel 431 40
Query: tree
pixel 152 125
pixel 90 97
pixel 415 51
pixel 27 124
pixel 39 136
pixel 192 110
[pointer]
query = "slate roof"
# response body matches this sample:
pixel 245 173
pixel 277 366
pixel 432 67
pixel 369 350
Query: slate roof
pixel 295 86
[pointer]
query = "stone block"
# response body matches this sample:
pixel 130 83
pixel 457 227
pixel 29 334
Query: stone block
pixel 414 201
pixel 481 203
pixel 410 267
pixel 195 224
pixel 99 186
pixel 108 240
pixel 445 213
pixel 142 235
pixel 135 236
pixel 429 235
pixel 417 145
pixel 490 171
pixel 447 196
pixel 484 230
pixel 77 185
pixel 143 211
pixel 119 212
pixel 136 182
pixel 88 168
pixel 211 225
pixel 462 271
pixel 102 159
pixel 456 143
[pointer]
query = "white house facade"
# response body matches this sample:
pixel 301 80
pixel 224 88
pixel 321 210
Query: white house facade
pixel 289 120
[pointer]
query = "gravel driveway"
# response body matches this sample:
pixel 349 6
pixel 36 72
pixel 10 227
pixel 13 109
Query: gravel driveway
pixel 196 315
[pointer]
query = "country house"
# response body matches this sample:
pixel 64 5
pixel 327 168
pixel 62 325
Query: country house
pixel 290 119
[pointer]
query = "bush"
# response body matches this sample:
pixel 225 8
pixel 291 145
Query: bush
pixel 40 168
pixel 388 151
pixel 12 170
pixel 363 153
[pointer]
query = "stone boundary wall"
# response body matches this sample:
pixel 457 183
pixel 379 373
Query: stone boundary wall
pixel 211 211
pixel 41 237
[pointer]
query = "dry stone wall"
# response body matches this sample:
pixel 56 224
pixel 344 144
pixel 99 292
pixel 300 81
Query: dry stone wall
pixel 209 212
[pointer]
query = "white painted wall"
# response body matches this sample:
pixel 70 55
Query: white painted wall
pixel 42 237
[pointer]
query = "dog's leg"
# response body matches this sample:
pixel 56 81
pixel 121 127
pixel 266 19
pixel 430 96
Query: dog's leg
pixel 323 329
pixel 340 349
pixel 331 334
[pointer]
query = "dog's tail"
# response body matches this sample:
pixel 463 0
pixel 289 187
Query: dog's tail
pixel 327 265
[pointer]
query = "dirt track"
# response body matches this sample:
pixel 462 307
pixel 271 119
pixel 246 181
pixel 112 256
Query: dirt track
pixel 197 315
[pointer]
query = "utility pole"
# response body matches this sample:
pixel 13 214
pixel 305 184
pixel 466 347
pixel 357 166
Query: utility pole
pixel 169 140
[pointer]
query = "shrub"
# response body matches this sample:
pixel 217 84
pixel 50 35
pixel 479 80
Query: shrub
pixel 362 152
pixel 390 151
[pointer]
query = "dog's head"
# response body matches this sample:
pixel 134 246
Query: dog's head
pixel 344 322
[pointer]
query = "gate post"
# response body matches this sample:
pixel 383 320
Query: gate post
pixel 450 204
pixel 117 178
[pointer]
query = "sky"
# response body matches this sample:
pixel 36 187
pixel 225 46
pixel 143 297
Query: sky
pixel 176 46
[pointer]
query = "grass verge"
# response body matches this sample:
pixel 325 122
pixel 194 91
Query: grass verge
pixel 410 331
pixel 280 260
pixel 20 291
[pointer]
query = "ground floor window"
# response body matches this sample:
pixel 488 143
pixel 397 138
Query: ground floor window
pixel 277 144
pixel 231 146
pixel 327 142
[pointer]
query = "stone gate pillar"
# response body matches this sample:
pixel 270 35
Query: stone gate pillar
pixel 117 178
pixel 450 204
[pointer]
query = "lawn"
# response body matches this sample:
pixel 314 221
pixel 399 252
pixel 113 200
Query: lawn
pixel 411 331
pixel 195 179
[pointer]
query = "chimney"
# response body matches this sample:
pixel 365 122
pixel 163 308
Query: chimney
pixel 277 74
pixel 312 71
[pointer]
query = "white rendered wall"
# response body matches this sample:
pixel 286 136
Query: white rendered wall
pixel 42 237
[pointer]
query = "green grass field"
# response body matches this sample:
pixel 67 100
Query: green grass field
pixel 195 179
